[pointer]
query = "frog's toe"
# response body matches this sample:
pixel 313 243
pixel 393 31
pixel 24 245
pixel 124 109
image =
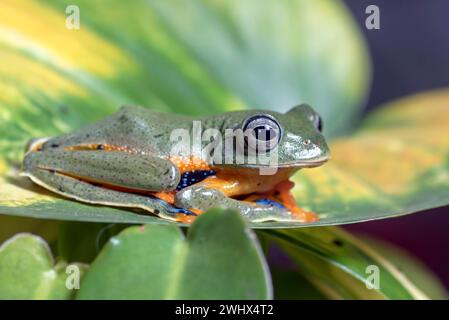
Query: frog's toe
pixel 264 209
pixel 184 215
pixel 185 218
pixel 304 216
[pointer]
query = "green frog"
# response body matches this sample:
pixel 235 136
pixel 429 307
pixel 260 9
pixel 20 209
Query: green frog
pixel 137 158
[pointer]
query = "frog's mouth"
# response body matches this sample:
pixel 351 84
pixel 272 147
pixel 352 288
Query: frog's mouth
pixel 312 163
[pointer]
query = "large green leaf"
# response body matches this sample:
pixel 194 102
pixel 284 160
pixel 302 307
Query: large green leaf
pixel 28 271
pixel 249 56
pixel 396 163
pixel 159 54
pixel 341 266
pixel 168 63
pixel 219 259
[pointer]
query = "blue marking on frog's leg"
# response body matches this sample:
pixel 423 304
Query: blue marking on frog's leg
pixel 183 211
pixel 172 209
pixel 265 201
pixel 191 177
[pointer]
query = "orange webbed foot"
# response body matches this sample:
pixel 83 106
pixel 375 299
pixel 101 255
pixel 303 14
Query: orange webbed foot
pixel 184 218
pixel 188 218
pixel 283 188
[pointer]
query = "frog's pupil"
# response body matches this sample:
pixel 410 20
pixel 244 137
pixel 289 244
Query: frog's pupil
pixel 264 133
pixel 320 125
pixel 191 177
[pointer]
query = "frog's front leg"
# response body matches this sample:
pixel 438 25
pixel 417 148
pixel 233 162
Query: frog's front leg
pixel 118 169
pixel 198 198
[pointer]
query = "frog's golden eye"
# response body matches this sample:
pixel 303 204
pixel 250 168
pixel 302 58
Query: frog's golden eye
pixel 262 132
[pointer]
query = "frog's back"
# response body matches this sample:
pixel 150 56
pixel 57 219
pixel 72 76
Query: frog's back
pixel 133 128
pixel 144 129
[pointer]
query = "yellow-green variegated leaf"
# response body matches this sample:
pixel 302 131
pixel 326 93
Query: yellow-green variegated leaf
pixel 193 57
pixel 340 266
pixel 159 54
pixel 397 163
pixel 410 267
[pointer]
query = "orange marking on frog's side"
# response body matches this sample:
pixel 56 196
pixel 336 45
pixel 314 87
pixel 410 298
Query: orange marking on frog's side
pixel 168 197
pixel 191 163
pixel 234 182
pixel 184 164
pixel 240 181
pixel 98 146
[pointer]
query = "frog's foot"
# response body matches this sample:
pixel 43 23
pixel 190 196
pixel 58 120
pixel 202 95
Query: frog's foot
pixel 188 218
pixel 184 218
pixel 198 199
pixel 283 193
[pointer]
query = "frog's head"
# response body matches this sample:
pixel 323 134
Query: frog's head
pixel 291 139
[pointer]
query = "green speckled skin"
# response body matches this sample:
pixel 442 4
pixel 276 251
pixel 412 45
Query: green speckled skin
pixel 148 168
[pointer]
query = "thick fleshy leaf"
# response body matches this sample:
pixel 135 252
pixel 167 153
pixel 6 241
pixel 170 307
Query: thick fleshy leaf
pixel 158 262
pixel 28 271
pixel 342 266
pixel 82 241
pixel 11 225
pixel 159 54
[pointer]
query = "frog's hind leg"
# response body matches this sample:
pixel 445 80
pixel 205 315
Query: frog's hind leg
pixel 106 177
pixel 135 172
pixel 90 193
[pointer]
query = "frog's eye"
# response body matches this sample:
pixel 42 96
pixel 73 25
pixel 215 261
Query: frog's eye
pixel 318 123
pixel 262 132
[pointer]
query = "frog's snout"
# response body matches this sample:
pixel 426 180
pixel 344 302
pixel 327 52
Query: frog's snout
pixel 35 144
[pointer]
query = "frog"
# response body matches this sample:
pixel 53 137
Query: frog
pixel 127 160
